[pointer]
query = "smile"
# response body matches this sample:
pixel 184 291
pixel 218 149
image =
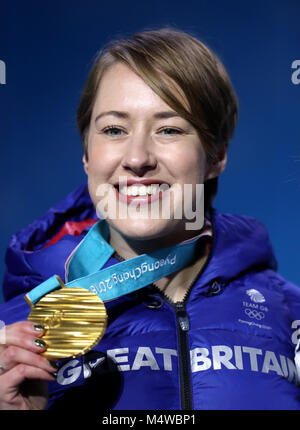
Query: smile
pixel 142 190
pixel 142 193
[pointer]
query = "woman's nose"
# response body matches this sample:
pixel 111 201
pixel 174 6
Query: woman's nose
pixel 139 156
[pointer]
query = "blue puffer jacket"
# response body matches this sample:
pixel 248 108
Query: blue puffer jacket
pixel 229 345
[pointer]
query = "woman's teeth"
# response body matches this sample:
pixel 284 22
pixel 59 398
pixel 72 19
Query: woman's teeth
pixel 142 190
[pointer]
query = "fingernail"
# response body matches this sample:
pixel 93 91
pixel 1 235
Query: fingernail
pixel 40 343
pixel 38 327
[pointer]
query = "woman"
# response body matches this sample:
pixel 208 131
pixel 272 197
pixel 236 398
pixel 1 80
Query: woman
pixel 157 113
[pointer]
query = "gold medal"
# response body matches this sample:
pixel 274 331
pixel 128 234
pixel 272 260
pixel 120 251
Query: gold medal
pixel 75 320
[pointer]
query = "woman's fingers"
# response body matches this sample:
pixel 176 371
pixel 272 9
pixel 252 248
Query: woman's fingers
pixel 13 355
pixel 27 341
pixel 26 335
pixel 23 345
pixel 22 365
pixel 19 373
pixel 14 333
pixel 11 381
pixel 25 327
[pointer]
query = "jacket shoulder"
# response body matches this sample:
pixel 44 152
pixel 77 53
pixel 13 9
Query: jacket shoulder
pixel 40 250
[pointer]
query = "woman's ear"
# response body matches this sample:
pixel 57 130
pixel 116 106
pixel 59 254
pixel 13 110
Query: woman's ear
pixel 216 168
pixel 85 164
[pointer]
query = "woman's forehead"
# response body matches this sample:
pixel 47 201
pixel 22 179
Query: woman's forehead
pixel 122 86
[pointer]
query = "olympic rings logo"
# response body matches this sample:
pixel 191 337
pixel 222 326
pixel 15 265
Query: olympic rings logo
pixel 252 313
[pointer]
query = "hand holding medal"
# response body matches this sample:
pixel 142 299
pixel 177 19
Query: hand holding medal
pixel 74 320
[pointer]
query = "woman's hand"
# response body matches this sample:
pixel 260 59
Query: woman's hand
pixel 23 371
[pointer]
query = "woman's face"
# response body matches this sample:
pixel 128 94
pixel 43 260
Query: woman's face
pixel 135 136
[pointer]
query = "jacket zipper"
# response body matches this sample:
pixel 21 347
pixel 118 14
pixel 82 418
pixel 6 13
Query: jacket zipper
pixel 184 356
pixel 183 326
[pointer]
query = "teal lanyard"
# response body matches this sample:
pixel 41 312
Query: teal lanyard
pixel 84 268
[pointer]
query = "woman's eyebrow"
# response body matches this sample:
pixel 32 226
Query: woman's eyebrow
pixel 112 113
pixel 125 115
pixel 166 115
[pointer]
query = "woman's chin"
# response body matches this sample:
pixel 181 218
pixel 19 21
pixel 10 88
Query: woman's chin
pixel 144 229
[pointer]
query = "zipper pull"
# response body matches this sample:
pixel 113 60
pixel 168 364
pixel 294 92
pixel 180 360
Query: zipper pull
pixel 182 317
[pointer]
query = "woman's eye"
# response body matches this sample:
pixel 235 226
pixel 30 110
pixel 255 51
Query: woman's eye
pixel 113 131
pixel 169 131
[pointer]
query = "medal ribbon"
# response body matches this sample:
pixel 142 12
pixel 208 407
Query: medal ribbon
pixel 84 268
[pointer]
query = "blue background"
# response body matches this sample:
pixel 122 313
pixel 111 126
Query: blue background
pixel 48 49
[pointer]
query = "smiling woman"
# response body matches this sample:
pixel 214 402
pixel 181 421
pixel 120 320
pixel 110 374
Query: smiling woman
pixel 150 144
pixel 156 117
